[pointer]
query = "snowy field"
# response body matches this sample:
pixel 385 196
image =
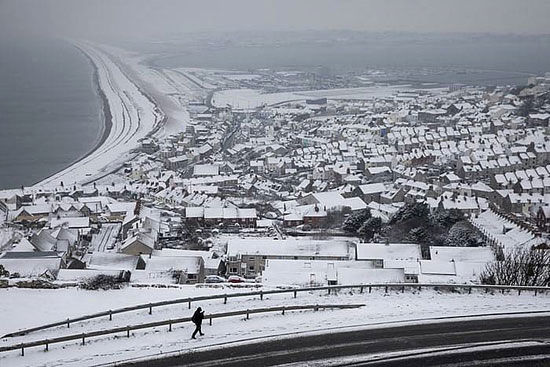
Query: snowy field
pixel 133 117
pixel 23 308
pixel 251 98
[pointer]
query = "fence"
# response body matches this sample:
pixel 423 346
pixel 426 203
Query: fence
pixel 295 291
pixel 169 323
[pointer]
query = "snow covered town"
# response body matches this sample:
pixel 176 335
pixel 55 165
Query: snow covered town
pixel 369 184
pixel 253 183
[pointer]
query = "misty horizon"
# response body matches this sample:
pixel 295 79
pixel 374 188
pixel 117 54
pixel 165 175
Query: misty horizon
pixel 147 20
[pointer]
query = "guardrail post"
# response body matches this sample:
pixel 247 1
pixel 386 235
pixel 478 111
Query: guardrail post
pixel 535 292
pixel 316 308
pixel 519 292
pixel 83 340
pixel 150 309
pixel 22 350
pixel 486 290
pixel 502 291
pixel 225 300
pixel 189 304
pixel 419 288
pixel 210 321
pixel 295 294
pixel 386 289
pixel 110 315
pixel 47 345
pixel 68 324
pixel 403 289
pixel 127 331
pixel 469 290
pixel 370 289
pixel 170 327
pixel 329 291
pixel 283 310
pixel 361 290
pixel 247 314
pixel 261 295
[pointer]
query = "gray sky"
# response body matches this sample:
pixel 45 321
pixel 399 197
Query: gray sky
pixel 140 18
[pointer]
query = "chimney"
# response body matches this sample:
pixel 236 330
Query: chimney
pixel 138 207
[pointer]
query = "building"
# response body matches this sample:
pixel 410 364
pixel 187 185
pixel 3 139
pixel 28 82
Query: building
pixel 311 273
pixel 215 216
pixel 137 245
pixel 32 264
pixel 379 253
pixel 247 256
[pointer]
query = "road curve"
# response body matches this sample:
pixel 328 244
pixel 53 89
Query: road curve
pixel 514 341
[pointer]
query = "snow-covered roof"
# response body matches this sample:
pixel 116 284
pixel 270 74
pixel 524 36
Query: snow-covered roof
pixel 289 247
pixel 70 222
pixel 468 254
pixel 394 251
pixel 114 261
pixel 189 264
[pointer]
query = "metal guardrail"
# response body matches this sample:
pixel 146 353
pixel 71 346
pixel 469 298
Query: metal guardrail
pixel 169 323
pixel 261 294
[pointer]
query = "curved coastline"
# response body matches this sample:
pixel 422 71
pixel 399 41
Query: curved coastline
pixel 106 117
pixel 106 111
pixel 128 116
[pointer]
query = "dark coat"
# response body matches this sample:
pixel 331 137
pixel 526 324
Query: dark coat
pixel 197 318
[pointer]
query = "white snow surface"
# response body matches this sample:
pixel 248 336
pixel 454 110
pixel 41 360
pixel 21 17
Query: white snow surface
pixel 6 235
pixel 252 98
pixel 492 225
pixel 25 307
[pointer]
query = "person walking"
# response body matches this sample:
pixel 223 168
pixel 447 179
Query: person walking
pixel 197 320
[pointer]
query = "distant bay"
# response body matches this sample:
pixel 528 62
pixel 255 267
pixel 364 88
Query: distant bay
pixel 50 112
pixel 482 60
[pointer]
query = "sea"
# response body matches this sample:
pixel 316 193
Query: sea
pixel 50 112
pixel 482 60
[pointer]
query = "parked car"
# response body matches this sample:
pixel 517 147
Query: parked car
pixel 236 279
pixel 214 279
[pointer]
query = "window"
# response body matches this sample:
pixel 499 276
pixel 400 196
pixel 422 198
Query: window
pixel 251 268
pixel 233 270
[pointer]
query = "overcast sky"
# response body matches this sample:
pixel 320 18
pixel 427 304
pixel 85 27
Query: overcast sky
pixel 153 18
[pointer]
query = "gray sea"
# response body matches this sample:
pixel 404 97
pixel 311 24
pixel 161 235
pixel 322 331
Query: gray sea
pixel 478 59
pixel 50 114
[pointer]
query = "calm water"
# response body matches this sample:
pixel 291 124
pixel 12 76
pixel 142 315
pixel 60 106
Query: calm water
pixel 489 60
pixel 50 115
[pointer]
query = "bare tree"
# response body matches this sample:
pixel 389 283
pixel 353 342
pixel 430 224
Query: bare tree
pixel 527 267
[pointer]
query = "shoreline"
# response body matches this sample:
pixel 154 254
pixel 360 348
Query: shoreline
pixel 129 115
pixel 106 117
